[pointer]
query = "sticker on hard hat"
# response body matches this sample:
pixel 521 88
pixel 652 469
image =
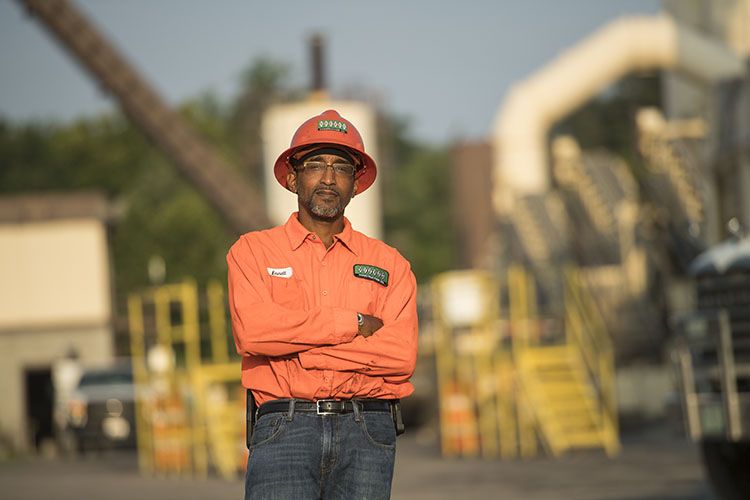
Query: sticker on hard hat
pixel 334 125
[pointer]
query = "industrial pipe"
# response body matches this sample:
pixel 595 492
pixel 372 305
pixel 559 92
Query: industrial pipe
pixel 538 102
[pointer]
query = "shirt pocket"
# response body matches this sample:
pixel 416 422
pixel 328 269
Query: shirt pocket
pixel 365 296
pixel 288 292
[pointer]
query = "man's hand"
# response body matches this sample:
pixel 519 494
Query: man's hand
pixel 370 325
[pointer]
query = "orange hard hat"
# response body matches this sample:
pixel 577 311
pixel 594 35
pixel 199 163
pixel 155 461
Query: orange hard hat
pixel 328 129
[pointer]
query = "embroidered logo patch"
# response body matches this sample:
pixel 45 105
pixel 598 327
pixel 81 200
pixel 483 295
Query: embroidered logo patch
pixel 373 273
pixel 284 272
pixel 334 125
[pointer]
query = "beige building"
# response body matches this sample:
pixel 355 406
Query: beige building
pixel 55 299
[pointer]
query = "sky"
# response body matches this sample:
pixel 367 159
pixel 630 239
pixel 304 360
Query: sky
pixel 445 66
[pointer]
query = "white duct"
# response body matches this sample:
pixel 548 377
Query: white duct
pixel 535 104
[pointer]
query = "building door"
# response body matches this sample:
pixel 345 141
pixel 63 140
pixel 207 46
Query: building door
pixel 40 397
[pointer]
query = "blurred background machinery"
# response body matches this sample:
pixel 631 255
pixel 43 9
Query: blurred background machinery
pixel 631 228
pixel 712 357
pixel 508 382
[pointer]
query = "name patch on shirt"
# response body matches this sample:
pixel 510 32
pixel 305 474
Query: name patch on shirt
pixel 372 273
pixel 283 272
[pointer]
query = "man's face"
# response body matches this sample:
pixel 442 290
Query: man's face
pixel 324 185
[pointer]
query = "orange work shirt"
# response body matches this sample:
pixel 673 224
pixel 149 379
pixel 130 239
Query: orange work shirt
pixel 294 307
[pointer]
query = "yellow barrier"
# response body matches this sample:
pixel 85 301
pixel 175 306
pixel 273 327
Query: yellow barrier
pixel 466 305
pixel 189 405
pixel 502 398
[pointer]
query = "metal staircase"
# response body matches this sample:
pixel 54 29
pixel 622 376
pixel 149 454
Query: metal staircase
pixel 569 384
pixel 676 182
pixel 540 226
pixel 671 149
pixel 595 185
pixel 508 383
pixel 541 229
pixel 565 404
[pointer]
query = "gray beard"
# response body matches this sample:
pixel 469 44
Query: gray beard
pixel 324 213
pixel 321 210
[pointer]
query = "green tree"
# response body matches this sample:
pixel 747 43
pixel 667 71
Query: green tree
pixel 262 85
pixel 165 216
pixel 416 199
pixel 103 153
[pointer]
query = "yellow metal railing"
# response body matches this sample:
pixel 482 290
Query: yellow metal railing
pixel 217 318
pixel 581 363
pixel 140 378
pixel 466 309
pixel 522 304
pixel 184 409
pixel 501 398
pixel 585 328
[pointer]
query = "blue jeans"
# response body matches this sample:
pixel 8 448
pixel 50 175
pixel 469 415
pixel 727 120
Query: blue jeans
pixel 307 456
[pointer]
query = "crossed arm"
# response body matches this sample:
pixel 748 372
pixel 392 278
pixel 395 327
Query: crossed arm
pixel 324 337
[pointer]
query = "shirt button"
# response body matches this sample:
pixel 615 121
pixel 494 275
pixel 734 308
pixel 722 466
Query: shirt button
pixel 325 292
pixel 313 237
pixel 324 263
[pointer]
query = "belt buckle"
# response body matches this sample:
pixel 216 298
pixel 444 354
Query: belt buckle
pixel 323 412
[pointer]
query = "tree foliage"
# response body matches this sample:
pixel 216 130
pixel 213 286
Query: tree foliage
pixel 163 215
pixel 416 199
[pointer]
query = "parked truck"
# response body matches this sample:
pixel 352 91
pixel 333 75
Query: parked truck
pixel 712 356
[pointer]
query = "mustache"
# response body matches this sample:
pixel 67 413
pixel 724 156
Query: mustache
pixel 328 189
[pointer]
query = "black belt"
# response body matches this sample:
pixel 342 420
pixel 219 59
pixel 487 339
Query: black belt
pixel 324 406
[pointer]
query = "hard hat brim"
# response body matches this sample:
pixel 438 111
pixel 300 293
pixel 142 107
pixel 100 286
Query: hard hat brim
pixel 365 177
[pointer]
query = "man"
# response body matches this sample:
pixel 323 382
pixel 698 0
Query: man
pixel 325 319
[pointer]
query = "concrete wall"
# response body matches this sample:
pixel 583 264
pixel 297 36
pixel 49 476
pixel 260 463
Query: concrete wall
pixel 53 273
pixel 55 298
pixel 29 349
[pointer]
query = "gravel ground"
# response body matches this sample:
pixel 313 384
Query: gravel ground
pixel 651 466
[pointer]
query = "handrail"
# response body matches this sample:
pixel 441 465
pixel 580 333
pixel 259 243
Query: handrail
pixel 585 328
pixel 522 304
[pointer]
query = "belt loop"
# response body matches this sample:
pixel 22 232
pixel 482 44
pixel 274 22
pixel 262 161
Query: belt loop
pixel 357 408
pixel 290 414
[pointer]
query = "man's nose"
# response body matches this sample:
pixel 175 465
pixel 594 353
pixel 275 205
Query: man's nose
pixel 329 176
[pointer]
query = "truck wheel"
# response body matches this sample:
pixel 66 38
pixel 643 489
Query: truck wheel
pixel 727 464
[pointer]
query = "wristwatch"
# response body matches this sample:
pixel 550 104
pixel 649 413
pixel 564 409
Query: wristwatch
pixel 360 319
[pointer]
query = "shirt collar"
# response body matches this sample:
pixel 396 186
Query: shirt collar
pixel 297 233
pixel 346 237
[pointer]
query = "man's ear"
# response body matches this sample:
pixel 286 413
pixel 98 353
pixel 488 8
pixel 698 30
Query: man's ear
pixel 356 186
pixel 291 181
